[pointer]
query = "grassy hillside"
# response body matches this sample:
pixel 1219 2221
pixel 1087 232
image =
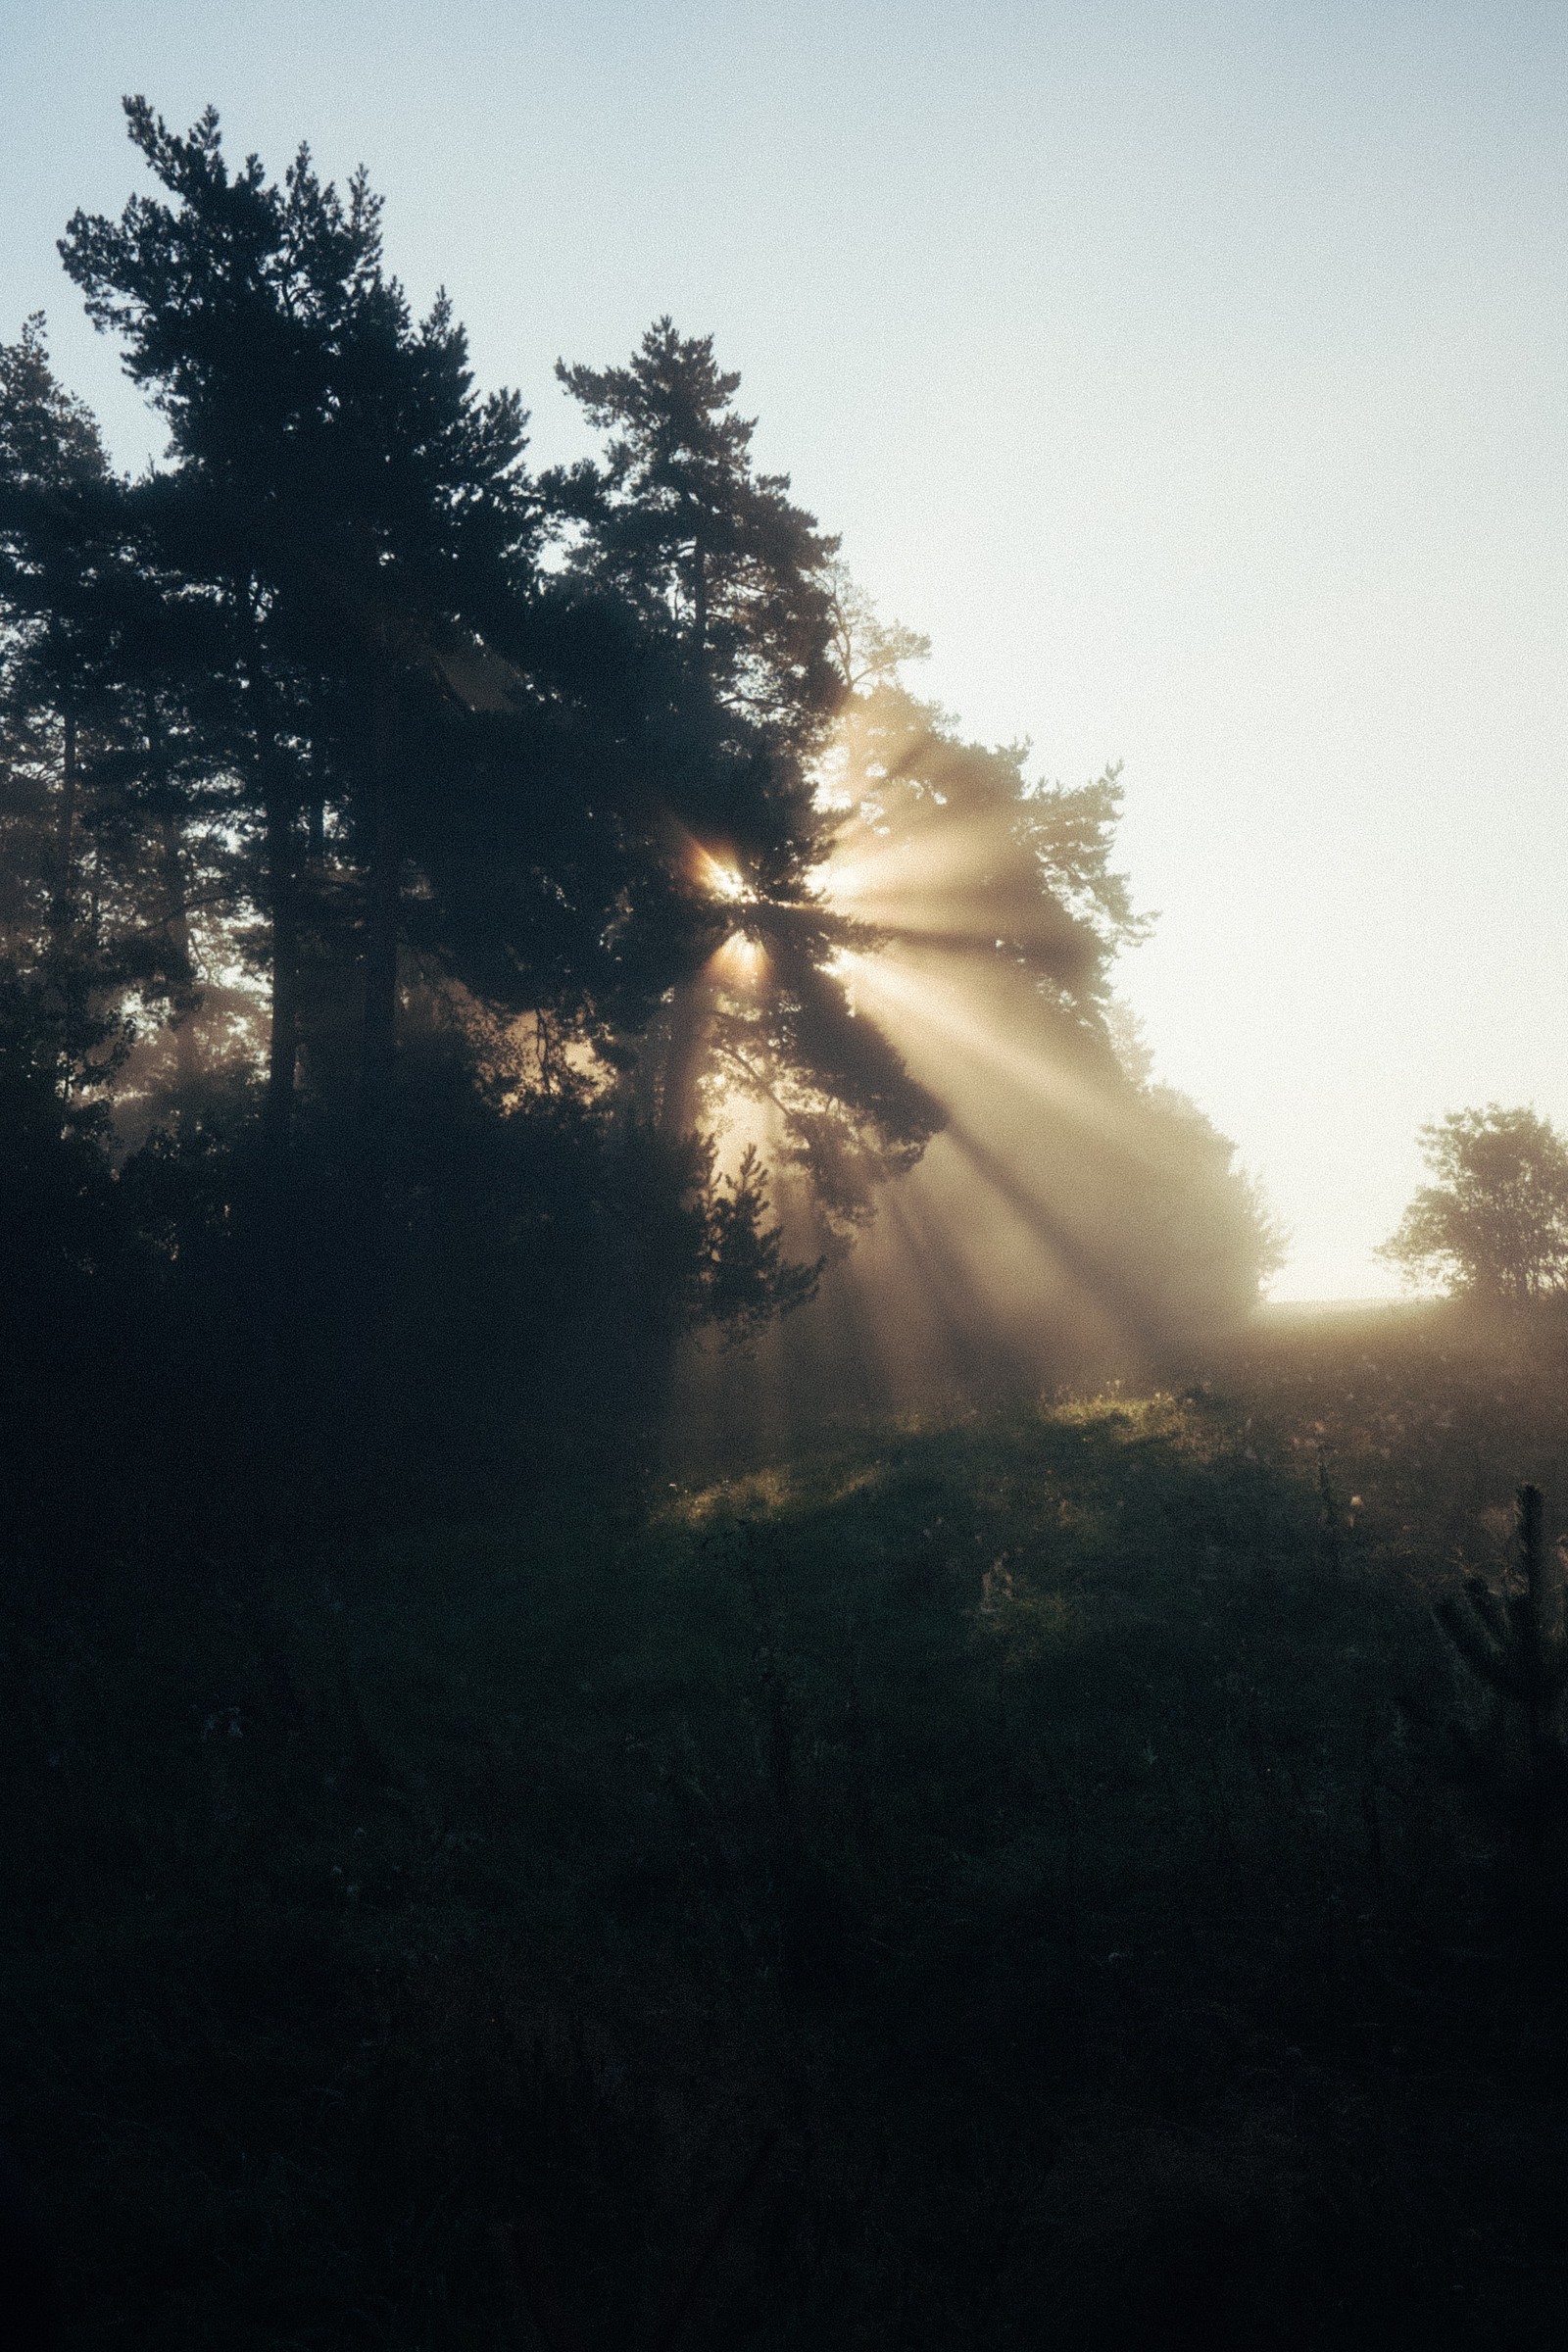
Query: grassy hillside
pixel 1041 1842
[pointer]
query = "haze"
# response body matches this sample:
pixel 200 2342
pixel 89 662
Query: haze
pixel 1195 378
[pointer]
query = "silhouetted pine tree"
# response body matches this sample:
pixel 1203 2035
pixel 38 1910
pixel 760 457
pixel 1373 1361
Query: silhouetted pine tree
pixel 349 506
pixel 738 583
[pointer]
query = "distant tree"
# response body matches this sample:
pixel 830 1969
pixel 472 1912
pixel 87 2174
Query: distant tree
pixel 1495 1224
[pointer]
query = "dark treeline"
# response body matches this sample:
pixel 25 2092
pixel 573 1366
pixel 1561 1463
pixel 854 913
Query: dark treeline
pixel 375 811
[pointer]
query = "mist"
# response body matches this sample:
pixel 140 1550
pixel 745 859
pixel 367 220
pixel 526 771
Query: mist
pixel 1069 1220
pixel 687 1658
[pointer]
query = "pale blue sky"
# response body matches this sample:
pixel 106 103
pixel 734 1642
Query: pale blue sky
pixel 1195 376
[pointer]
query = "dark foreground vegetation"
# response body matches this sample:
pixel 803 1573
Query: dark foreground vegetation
pixel 1041 1881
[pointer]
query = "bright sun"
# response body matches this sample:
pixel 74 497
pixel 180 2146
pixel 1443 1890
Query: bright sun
pixel 722 880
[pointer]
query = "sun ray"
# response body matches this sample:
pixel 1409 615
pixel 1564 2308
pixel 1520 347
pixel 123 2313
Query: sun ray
pixel 1048 1228
pixel 859 871
pixel 921 1010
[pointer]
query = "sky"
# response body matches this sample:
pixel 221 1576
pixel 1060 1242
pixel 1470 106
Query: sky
pixel 1195 376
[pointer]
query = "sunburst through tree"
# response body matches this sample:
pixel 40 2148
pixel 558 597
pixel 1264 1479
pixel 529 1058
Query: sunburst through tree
pixel 530 919
pixel 922 1040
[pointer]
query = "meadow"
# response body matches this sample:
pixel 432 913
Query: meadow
pixel 1034 1879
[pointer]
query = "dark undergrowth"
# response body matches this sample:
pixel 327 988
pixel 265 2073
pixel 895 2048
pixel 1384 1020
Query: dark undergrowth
pixel 1031 1858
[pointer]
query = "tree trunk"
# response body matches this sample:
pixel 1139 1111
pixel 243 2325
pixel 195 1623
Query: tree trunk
pixel 176 930
pixel 61 915
pixel 63 912
pixel 684 1052
pixel 698 607
pixel 285 1045
pixel 315 820
pixel 378 1051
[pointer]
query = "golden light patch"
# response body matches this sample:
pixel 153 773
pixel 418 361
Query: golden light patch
pixel 723 881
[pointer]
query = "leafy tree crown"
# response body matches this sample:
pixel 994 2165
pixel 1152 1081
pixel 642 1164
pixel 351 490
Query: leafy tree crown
pixel 1493 1224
